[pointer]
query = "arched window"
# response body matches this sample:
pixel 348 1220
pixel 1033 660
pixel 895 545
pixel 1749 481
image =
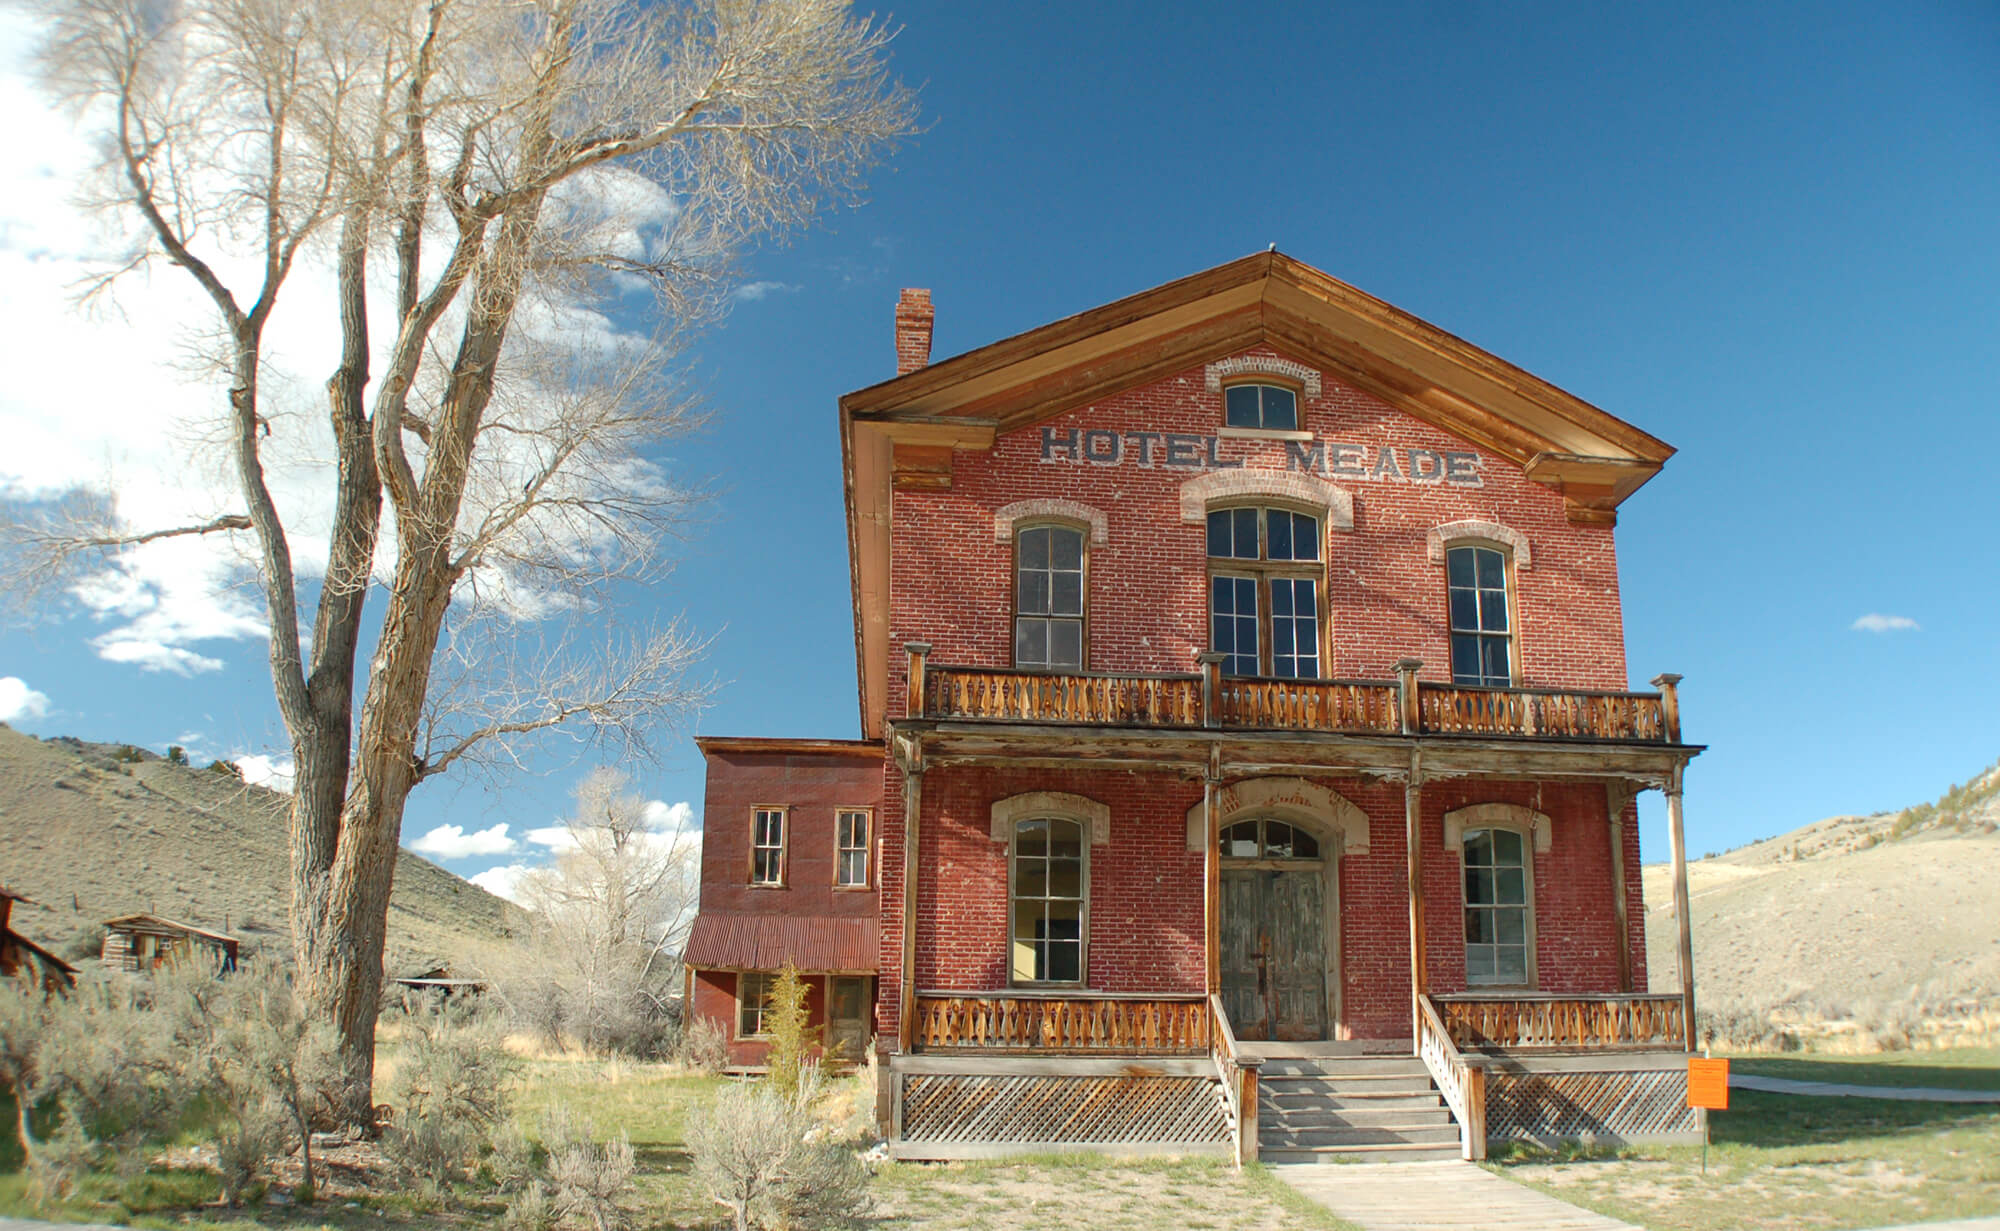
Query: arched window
pixel 1268 839
pixel 1269 407
pixel 1482 625
pixel 1264 591
pixel 1048 597
pixel 1048 899
pixel 1499 909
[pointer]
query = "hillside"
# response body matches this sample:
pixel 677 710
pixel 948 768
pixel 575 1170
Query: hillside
pixel 1853 924
pixel 89 834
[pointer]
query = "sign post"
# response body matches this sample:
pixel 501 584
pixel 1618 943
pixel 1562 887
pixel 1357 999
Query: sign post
pixel 1708 1088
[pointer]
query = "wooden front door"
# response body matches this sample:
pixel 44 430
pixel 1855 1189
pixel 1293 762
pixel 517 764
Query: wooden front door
pixel 1275 936
pixel 847 1017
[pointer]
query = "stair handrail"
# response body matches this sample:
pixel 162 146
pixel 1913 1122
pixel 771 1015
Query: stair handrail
pixel 1238 1071
pixel 1461 1081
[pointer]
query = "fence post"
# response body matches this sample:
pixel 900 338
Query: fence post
pixel 1670 705
pixel 1211 686
pixel 919 656
pixel 1406 693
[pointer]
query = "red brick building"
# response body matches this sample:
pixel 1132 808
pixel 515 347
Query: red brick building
pixel 1248 666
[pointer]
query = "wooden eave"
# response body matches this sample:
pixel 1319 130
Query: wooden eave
pixel 904 432
pixel 865 749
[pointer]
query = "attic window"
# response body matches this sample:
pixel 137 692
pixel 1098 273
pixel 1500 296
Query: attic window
pixel 1270 408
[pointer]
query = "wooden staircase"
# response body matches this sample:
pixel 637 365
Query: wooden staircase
pixel 1324 1109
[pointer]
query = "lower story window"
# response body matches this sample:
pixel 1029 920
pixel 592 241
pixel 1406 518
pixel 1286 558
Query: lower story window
pixel 1048 902
pixel 1497 911
pixel 753 995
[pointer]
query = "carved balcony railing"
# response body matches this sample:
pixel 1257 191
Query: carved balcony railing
pixel 1565 1023
pixel 1062 1025
pixel 1401 706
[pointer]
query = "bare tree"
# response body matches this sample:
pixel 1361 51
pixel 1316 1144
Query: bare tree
pixel 491 169
pixel 611 911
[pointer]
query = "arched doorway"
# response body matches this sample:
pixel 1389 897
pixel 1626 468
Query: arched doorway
pixel 1278 957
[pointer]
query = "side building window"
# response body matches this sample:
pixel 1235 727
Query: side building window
pixel 1048 898
pixel 1048 597
pixel 1264 591
pixel 850 848
pixel 767 847
pixel 753 994
pixel 1482 629
pixel 1499 909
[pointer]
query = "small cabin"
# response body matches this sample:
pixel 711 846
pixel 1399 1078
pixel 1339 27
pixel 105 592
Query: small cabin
pixel 19 955
pixel 144 943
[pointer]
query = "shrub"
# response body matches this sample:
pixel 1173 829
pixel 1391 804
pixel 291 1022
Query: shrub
pixel 451 1087
pixel 785 1020
pixel 763 1156
pixel 227 769
pixel 176 755
pixel 702 1046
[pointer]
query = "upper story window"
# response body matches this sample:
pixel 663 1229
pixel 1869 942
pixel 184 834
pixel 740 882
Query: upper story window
pixel 1482 630
pixel 1270 407
pixel 850 842
pixel 767 847
pixel 1048 597
pixel 1264 591
pixel 1048 895
pixel 1499 911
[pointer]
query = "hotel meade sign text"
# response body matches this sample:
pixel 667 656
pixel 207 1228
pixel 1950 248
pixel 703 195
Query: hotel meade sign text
pixel 1332 459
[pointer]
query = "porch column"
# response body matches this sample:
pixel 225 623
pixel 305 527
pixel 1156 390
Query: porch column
pixel 1678 845
pixel 913 807
pixel 1413 802
pixel 1211 860
pixel 1616 796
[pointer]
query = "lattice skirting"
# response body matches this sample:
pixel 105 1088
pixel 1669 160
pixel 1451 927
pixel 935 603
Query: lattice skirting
pixel 979 1109
pixel 1647 1105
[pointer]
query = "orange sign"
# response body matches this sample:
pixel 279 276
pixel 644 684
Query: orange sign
pixel 1708 1083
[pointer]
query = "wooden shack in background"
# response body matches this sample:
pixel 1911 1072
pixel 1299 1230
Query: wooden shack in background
pixel 144 943
pixel 19 955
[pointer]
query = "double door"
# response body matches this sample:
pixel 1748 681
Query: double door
pixel 1274 951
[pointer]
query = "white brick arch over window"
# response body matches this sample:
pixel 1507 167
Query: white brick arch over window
pixel 1296 801
pixel 1094 816
pixel 1517 817
pixel 1007 516
pixel 1198 494
pixel 1441 537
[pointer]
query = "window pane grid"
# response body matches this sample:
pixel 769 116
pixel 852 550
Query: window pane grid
pixel 1048 598
pixel 1496 908
pixel 1048 902
pixel 1481 629
pixel 767 847
pixel 753 992
pixel 1246 610
pixel 851 848
pixel 1272 407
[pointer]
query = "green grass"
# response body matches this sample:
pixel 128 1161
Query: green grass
pixel 1962 1068
pixel 1793 1163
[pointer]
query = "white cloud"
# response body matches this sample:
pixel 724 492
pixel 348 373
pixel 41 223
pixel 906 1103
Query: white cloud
pixel 154 656
pixel 274 773
pixel 1875 622
pixel 453 842
pixel 503 881
pixel 664 817
pixel 751 292
pixel 555 837
pixel 20 703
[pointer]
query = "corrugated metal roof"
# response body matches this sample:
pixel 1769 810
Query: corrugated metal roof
pixel 813 943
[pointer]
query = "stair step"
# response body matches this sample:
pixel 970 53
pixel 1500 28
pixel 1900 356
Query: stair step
pixel 1353 1117
pixel 1351 1154
pixel 1327 1100
pixel 1345 1138
pixel 1387 1066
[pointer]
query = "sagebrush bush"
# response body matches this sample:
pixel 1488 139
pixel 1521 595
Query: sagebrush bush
pixel 702 1046
pixel 764 1156
pixel 452 1086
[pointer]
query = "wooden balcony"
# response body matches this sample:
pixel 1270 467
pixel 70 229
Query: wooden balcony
pixel 1081 1025
pixel 1565 1023
pixel 1402 706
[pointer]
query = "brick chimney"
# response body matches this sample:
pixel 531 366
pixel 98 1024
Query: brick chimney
pixel 913 329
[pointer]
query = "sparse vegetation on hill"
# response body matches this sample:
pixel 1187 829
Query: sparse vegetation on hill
pixel 93 831
pixel 1853 933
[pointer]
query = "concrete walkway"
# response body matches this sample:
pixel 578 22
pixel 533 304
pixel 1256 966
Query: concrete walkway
pixel 1442 1196
pixel 1835 1089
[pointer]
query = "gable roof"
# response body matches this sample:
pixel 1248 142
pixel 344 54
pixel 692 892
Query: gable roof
pixel 903 432
pixel 159 923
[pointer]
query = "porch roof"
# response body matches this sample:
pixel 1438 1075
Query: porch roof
pixel 816 944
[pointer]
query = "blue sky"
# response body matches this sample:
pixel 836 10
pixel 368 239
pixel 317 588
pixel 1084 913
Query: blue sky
pixel 1764 233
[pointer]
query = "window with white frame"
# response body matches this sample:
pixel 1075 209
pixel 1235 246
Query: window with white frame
pixel 1049 896
pixel 1048 597
pixel 1265 579
pixel 1482 627
pixel 767 847
pixel 1499 909
pixel 753 997
pixel 850 842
